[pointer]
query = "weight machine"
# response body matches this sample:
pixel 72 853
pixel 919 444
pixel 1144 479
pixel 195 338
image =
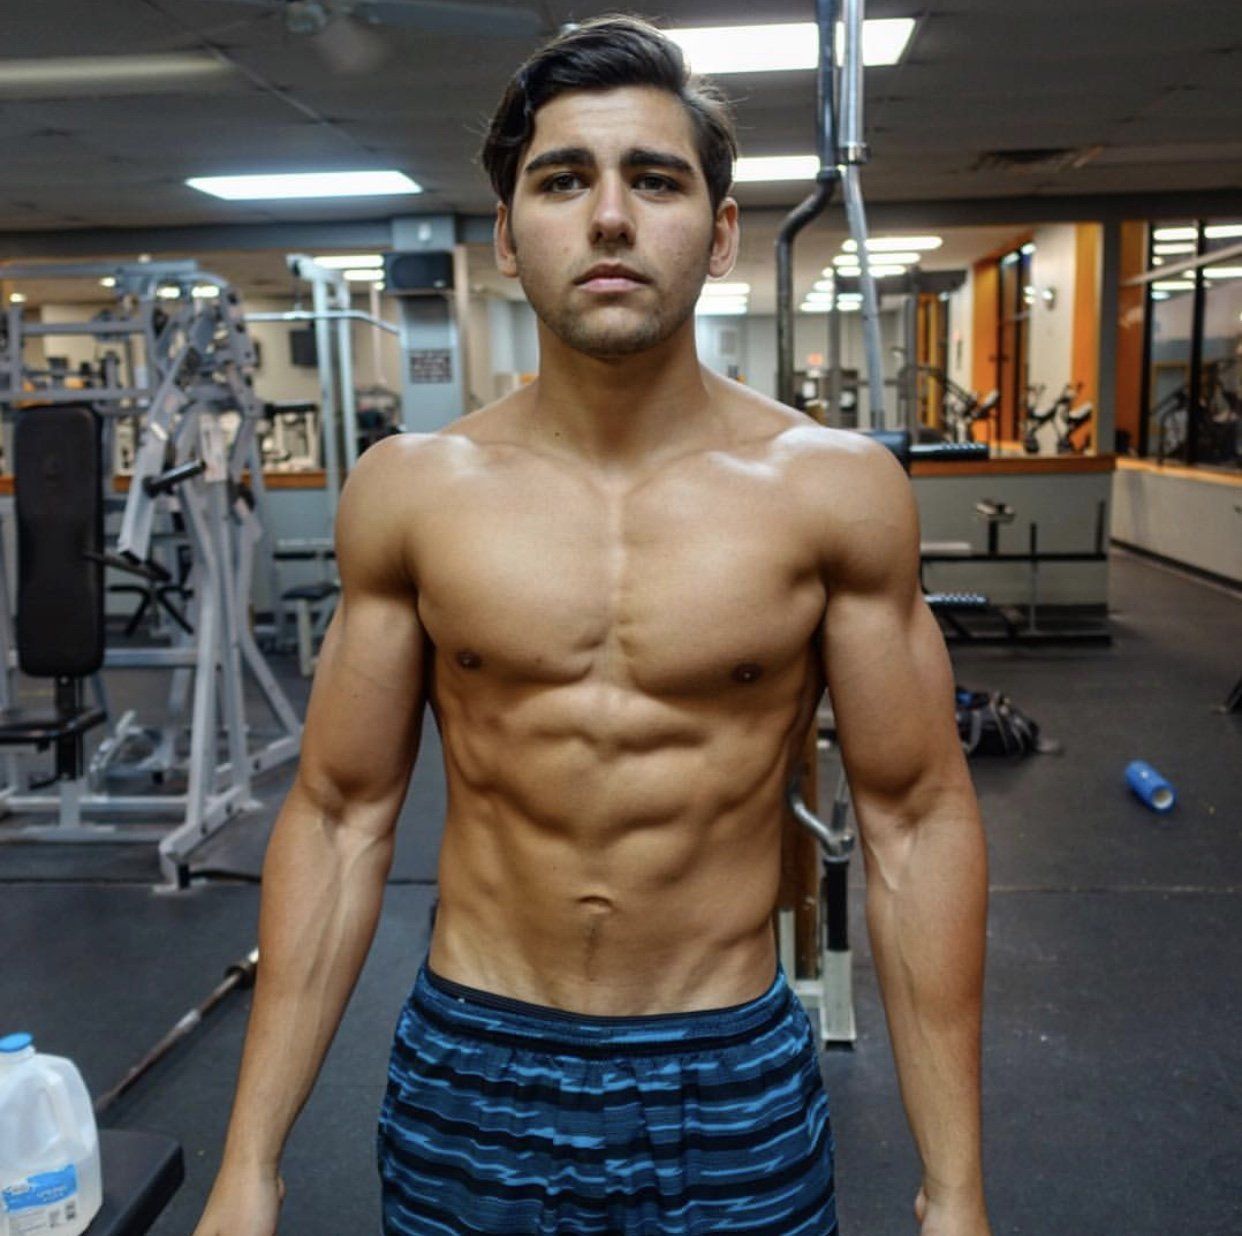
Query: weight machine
pixel 186 368
pixel 342 423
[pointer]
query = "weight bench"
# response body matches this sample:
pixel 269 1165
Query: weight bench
pixel 58 462
pixel 141 1172
pixel 58 459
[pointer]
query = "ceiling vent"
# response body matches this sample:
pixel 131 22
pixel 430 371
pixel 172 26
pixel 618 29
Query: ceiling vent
pixel 1039 160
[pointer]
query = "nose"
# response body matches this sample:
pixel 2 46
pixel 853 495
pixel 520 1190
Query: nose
pixel 611 219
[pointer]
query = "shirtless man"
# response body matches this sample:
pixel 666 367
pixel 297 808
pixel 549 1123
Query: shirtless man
pixel 622 590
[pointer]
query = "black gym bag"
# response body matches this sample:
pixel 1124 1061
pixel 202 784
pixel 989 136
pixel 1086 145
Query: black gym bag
pixel 988 723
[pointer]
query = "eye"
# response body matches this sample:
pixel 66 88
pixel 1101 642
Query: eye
pixel 556 183
pixel 651 180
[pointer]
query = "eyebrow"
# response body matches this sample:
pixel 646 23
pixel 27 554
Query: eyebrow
pixel 580 156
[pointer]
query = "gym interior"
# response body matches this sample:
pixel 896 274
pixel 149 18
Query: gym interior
pixel 1044 311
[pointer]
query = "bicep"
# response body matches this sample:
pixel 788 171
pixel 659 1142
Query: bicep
pixel 887 669
pixel 364 719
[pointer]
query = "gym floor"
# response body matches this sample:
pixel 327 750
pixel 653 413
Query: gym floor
pixel 1111 1054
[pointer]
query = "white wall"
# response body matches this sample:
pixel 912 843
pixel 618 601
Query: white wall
pixel 1179 517
pixel 1051 335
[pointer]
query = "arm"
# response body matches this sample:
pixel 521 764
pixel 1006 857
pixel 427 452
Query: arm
pixel 331 848
pixel 923 845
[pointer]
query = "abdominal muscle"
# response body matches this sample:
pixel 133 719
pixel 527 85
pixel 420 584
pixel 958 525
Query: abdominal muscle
pixel 621 869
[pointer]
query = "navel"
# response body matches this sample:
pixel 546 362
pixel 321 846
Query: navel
pixel 748 671
pixel 469 659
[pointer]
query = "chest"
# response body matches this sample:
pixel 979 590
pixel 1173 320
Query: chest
pixel 697 579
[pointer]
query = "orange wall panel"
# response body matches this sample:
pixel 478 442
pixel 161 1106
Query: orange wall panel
pixel 1085 357
pixel 1131 310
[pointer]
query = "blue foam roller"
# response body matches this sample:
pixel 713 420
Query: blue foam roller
pixel 1154 791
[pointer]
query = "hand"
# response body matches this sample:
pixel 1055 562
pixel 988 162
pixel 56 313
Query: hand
pixel 964 1216
pixel 242 1204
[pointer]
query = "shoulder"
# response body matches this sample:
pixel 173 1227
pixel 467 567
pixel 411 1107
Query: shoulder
pixel 860 506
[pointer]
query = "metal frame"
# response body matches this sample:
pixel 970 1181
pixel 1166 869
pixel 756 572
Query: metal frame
pixel 199 358
pixel 830 995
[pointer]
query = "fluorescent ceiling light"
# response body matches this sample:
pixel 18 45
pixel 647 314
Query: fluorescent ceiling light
pixel 1222 231
pixel 58 75
pixel 108 281
pixel 1223 272
pixel 305 184
pixel 205 291
pixel 722 309
pixel 777 167
pixel 364 275
pixel 726 289
pixel 884 271
pixel 895 244
pixel 821 306
pixel 784 46
pixel 1168 250
pixel 17 298
pixel 1160 296
pixel 1028 248
pixel 890 259
pixel 351 261
pixel 168 293
pixel 1172 285
pixel 1174 233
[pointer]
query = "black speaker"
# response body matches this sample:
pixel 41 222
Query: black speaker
pixel 418 271
pixel 303 350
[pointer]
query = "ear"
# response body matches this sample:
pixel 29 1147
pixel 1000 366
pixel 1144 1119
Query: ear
pixel 726 236
pixel 502 242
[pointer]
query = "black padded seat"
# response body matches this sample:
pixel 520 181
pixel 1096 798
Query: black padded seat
pixel 43 727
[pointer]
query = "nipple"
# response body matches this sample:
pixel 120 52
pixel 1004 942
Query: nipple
pixel 469 660
pixel 748 671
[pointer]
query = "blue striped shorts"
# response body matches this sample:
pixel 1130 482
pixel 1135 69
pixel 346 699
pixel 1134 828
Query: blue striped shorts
pixel 508 1118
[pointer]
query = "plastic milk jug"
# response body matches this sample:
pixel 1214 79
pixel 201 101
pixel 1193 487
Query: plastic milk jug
pixel 49 1147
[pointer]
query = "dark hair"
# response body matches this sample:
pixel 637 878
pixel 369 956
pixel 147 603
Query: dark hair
pixel 602 54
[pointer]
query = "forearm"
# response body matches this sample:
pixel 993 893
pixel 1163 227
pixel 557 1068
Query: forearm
pixel 927 918
pixel 323 885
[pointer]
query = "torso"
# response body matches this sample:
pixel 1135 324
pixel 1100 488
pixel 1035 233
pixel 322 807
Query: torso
pixel 623 673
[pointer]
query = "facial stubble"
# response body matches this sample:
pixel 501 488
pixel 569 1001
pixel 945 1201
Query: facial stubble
pixel 604 336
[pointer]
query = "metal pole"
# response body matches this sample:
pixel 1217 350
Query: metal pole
pixel 349 406
pixel 854 152
pixel 825 181
pixel 910 369
pixel 377 358
pixel 327 399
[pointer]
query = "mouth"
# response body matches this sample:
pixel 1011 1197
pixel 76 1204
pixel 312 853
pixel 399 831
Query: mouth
pixel 611 279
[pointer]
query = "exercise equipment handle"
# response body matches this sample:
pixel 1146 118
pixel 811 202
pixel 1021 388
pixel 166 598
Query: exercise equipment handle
pixel 166 482
pixel 952 451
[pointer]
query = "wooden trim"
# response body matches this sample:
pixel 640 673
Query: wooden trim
pixel 316 479
pixel 1018 465
pixel 1208 475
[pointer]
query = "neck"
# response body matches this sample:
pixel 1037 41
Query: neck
pixel 619 412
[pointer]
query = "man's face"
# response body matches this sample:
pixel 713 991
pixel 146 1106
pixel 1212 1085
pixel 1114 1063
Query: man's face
pixel 613 178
